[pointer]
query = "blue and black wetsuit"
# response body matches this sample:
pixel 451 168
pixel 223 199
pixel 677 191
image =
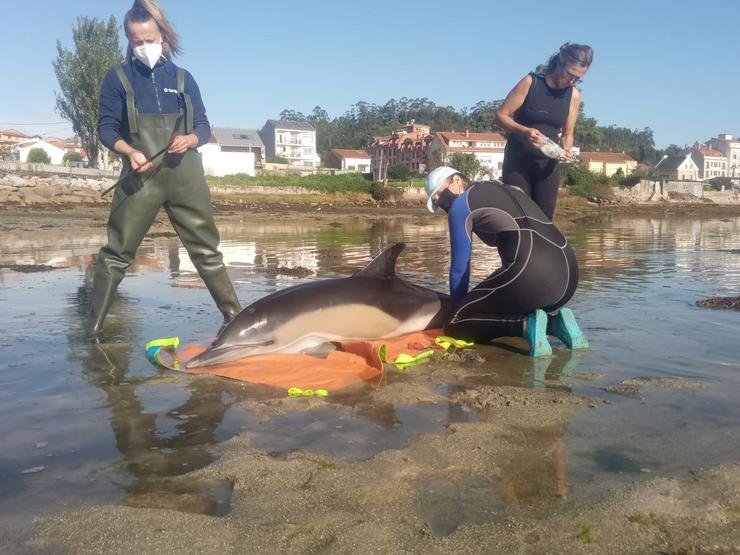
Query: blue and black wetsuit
pixel 539 268
pixel 545 109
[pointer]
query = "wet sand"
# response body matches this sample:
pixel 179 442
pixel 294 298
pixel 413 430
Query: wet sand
pixel 476 488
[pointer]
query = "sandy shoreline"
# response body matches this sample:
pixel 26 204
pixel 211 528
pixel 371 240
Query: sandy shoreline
pixel 469 489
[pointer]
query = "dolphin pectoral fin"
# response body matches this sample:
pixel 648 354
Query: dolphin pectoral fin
pixel 321 350
pixel 224 353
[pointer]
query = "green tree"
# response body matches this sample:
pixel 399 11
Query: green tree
pixel 466 164
pixel 398 172
pixel 291 115
pixel 38 156
pixel 482 117
pixel 6 152
pixel 325 131
pixel 580 180
pixel 72 157
pixel 587 134
pixel 672 150
pixel 357 126
pixel 716 183
pixel 277 160
pixel 80 72
pixel 630 180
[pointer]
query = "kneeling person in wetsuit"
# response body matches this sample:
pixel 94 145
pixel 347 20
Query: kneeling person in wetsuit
pixel 539 271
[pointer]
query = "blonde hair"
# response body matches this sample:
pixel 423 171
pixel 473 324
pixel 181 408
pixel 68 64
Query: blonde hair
pixel 145 10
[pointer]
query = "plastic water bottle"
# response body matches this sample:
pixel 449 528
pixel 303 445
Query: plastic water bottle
pixel 551 149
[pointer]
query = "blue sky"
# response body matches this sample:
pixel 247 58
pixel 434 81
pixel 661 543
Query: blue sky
pixel 668 65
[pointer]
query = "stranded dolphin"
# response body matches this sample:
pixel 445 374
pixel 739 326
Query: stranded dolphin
pixel 371 304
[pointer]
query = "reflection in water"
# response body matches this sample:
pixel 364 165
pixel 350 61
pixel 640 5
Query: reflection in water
pixel 154 450
pixel 156 445
pixel 535 476
pixel 56 389
pixel 447 502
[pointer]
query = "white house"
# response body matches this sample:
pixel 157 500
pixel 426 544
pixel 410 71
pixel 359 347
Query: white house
pixel 680 167
pixel 711 163
pixel 55 153
pixel 488 148
pixel 232 150
pixel 349 160
pixel 730 147
pixel 293 140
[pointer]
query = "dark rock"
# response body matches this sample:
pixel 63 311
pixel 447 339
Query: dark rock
pixel 632 391
pixel 464 355
pixel 732 303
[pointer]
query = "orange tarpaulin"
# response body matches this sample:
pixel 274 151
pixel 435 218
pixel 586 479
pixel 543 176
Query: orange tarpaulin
pixel 355 363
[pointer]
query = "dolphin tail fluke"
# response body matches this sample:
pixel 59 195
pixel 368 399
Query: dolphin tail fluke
pixel 383 265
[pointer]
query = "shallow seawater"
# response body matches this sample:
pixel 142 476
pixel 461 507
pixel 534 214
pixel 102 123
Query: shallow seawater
pixel 84 424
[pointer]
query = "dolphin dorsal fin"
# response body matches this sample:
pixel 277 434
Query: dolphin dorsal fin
pixel 383 265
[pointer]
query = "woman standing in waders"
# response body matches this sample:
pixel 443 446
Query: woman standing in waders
pixel 539 108
pixel 148 104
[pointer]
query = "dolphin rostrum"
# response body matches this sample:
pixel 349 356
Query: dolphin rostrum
pixel 371 304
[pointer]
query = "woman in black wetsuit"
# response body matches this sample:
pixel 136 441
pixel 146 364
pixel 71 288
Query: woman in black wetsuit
pixel 539 271
pixel 540 107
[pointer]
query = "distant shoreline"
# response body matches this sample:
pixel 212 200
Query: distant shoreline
pixel 42 194
pixel 572 210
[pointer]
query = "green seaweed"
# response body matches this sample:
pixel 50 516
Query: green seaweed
pixel 585 535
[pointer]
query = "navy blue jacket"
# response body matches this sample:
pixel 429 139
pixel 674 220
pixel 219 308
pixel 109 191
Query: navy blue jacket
pixel 156 93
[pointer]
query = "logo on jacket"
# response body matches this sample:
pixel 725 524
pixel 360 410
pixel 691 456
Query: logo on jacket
pixel 173 91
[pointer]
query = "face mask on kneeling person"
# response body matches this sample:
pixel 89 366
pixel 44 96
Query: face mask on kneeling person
pixel 445 200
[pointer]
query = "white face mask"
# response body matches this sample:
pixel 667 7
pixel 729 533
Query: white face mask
pixel 149 54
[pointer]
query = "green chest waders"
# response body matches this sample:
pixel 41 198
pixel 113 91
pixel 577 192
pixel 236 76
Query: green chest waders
pixel 177 183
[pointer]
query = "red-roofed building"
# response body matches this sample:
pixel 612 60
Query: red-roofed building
pixel 70 145
pixel 406 146
pixel 711 162
pixel 608 163
pixel 730 147
pixel 56 141
pixel 488 148
pixel 349 160
pixel 12 137
pixel 73 145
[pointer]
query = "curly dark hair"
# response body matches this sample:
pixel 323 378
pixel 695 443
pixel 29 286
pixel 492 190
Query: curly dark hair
pixel 571 54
